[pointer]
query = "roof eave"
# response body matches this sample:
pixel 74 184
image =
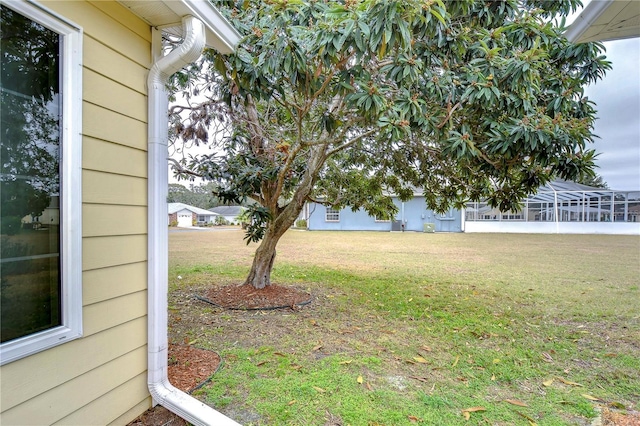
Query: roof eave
pixel 586 19
pixel 168 14
pixel 606 20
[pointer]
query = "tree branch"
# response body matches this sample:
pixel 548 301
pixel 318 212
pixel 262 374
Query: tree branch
pixel 181 169
pixel 352 142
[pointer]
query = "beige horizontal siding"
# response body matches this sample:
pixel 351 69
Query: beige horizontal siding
pixel 106 188
pixel 54 405
pixel 104 315
pixel 103 252
pixel 101 378
pixel 109 407
pixel 108 283
pixel 25 379
pixel 103 220
pixel 121 129
pixel 129 20
pixel 113 158
pixel 113 65
pixel 101 26
pixel 110 94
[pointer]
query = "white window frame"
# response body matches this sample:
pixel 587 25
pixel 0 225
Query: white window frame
pixel 333 212
pixel 70 187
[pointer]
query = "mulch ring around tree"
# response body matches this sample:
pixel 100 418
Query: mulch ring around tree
pixel 246 297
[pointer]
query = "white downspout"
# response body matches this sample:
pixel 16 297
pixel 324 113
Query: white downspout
pixel 161 390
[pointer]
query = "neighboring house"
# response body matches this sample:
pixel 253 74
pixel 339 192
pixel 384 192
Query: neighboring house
pixel 562 207
pixel 186 216
pixel 84 306
pixel 230 213
pixel 49 216
pixel 412 215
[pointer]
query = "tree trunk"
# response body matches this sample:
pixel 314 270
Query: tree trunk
pixel 260 274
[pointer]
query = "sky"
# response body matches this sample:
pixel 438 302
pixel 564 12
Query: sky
pixel 617 99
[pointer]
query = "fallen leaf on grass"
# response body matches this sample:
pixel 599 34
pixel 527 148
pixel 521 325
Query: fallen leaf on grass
pixel 368 385
pixel 590 397
pixel 261 363
pixel 531 421
pixel 319 389
pixel 360 379
pixel 516 402
pixel 420 379
pixel 456 361
pixel 414 419
pixel 292 402
pixel 420 359
pixel 426 348
pixel 317 348
pixel 618 405
pixel 466 412
pixel 279 354
pixel 548 383
pixel 345 362
pixel 568 382
pixel 547 357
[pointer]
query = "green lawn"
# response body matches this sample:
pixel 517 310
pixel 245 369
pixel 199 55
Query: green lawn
pixel 411 328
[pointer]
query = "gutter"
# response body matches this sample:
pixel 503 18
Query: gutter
pixel 586 19
pixel 161 390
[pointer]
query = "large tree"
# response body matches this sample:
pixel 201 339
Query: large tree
pixel 345 102
pixel 29 117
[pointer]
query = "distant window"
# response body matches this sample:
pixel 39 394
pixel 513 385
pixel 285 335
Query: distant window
pixel 448 215
pixel 332 215
pixel 40 161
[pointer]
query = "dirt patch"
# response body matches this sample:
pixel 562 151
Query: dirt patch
pixel 246 297
pixel 158 416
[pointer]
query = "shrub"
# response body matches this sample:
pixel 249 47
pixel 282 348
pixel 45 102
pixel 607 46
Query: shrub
pixel 11 225
pixel 220 220
pixel 301 223
pixel 173 223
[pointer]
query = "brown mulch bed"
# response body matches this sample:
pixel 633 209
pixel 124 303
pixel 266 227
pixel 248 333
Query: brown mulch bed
pixel 615 418
pixel 247 297
pixel 191 367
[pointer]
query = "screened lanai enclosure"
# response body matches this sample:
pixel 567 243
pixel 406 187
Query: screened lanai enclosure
pixel 562 207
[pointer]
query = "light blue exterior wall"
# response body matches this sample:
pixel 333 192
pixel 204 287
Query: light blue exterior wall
pixel 413 213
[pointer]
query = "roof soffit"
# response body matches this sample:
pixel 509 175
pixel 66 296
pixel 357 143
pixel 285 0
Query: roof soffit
pixel 168 14
pixel 604 20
